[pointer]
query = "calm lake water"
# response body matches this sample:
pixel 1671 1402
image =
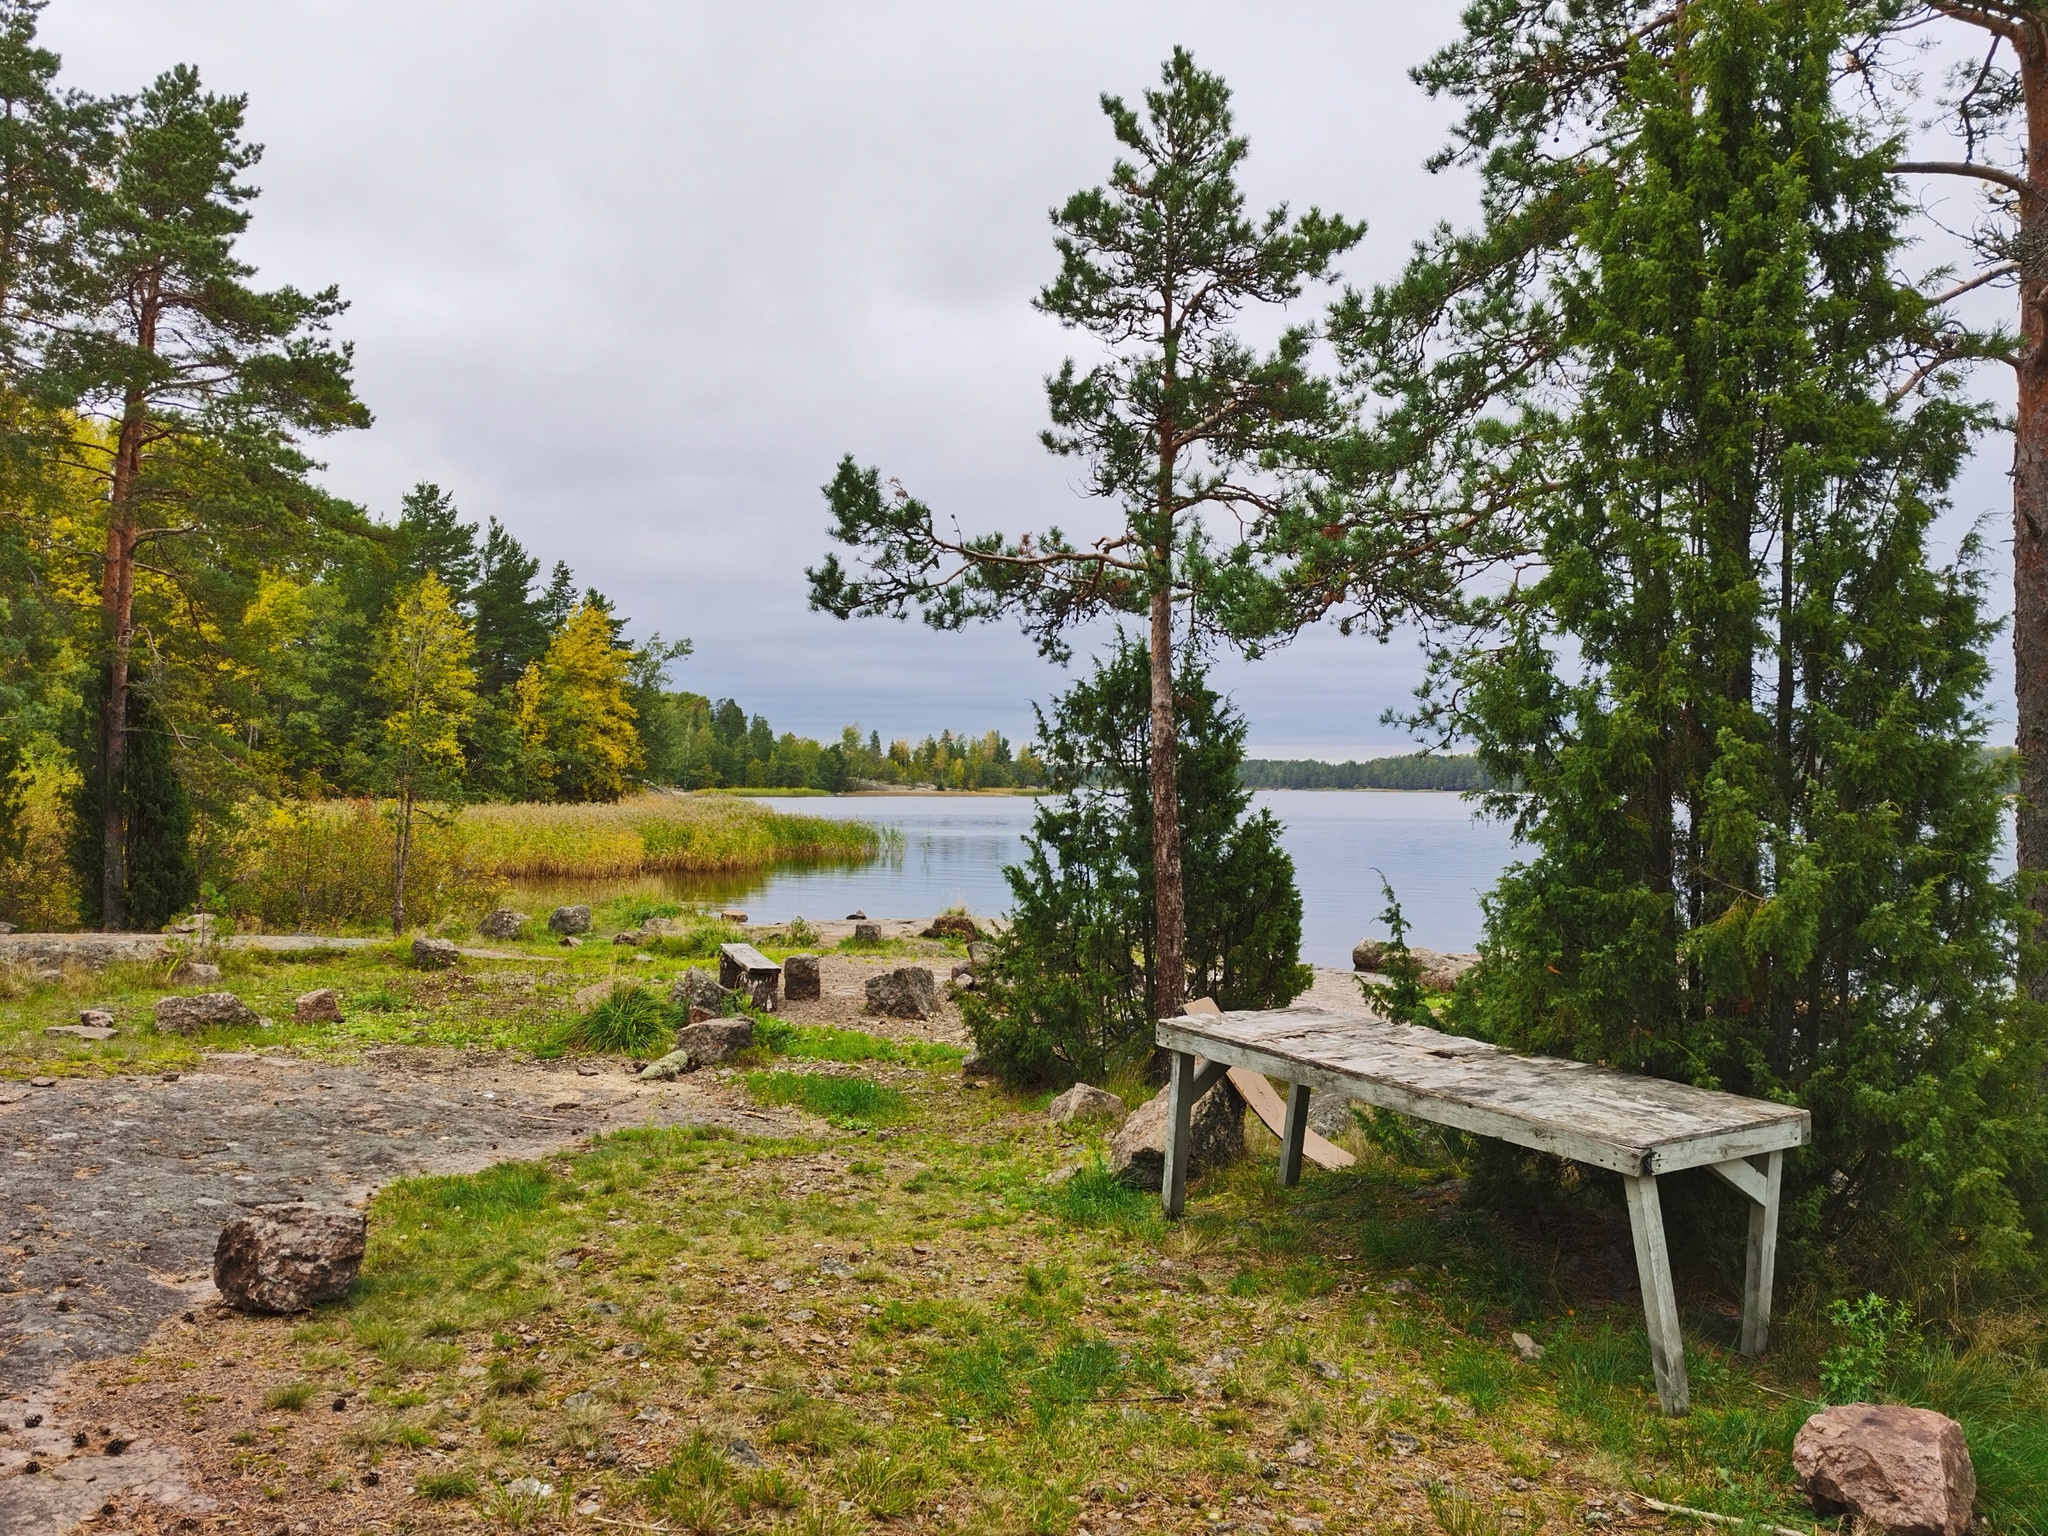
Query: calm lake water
pixel 1438 856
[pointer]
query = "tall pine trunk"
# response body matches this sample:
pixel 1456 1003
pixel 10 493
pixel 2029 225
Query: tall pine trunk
pixel 1168 903
pixel 2030 505
pixel 401 851
pixel 117 604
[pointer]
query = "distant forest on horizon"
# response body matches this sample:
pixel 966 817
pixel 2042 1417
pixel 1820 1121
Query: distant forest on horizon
pixel 1409 770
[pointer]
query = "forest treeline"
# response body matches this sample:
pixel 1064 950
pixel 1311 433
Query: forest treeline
pixel 1409 770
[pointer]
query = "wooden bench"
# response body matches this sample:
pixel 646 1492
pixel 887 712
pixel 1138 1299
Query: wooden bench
pixel 742 965
pixel 1639 1127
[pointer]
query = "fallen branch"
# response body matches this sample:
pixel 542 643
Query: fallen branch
pixel 1701 1514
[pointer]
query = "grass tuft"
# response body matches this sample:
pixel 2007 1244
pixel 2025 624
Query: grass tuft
pixel 291 1395
pixel 631 1022
pixel 844 1101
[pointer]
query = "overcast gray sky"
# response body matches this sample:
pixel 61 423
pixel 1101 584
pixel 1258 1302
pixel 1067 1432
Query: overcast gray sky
pixel 631 276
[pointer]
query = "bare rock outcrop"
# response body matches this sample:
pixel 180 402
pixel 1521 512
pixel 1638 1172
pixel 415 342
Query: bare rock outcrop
pixel 1137 1152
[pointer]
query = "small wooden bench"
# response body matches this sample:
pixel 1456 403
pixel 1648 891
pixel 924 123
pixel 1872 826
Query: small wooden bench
pixel 1639 1127
pixel 742 965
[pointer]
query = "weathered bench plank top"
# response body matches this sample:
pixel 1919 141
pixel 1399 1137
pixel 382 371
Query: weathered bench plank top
pixel 1634 1125
pixel 748 959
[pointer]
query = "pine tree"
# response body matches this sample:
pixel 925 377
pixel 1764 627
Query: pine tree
pixel 1179 421
pixel 1741 708
pixel 204 384
pixel 424 678
pixel 511 623
pixel 160 875
pixel 432 538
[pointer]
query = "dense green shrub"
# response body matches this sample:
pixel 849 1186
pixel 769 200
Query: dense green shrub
pixel 1070 991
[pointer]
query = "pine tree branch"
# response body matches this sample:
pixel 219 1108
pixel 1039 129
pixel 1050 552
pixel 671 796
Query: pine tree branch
pixel 2019 186
pixel 1988 275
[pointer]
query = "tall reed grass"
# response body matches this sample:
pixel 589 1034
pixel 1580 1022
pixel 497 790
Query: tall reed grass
pixel 328 864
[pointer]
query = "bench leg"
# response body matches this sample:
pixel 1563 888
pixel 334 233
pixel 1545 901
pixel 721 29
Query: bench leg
pixel 1295 1134
pixel 1180 1104
pixel 1761 1265
pixel 1660 1302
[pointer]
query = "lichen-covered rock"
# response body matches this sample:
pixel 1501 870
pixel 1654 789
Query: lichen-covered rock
pixel 432 954
pixel 504 923
pixel 715 1040
pixel 907 992
pixel 194 973
pixel 1137 1152
pixel 700 989
pixel 568 920
pixel 1082 1103
pixel 320 1006
pixel 284 1258
pixel 674 1064
pixel 800 979
pixel 1903 1471
pixel 952 925
pixel 1434 970
pixel 203 1010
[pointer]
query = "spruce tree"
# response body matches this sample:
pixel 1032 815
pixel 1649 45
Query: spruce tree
pixel 1740 705
pixel 160 874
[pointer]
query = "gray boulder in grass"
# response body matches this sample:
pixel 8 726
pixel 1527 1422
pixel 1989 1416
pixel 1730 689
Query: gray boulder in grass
pixel 284 1258
pixel 569 920
pixel 504 923
pixel 203 1010
pixel 1137 1152
pixel 800 980
pixel 431 954
pixel 700 989
pixel 714 1040
pixel 1082 1103
pixel 907 992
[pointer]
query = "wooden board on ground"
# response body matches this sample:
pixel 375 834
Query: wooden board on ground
pixel 1265 1103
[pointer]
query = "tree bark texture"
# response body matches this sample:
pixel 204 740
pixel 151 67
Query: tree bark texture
pixel 2030 503
pixel 1171 972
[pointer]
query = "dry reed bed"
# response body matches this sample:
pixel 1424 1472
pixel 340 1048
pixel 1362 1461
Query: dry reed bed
pixel 651 834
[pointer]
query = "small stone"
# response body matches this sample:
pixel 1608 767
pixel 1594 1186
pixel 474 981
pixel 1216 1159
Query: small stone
pixel 1403 1444
pixel 838 1269
pixel 570 920
pixel 589 1069
pixel 856 916
pixel 503 923
pixel 570 941
pixel 320 1006
pixel 284 1258
pixel 699 1015
pixel 1137 1152
pixel 741 1454
pixel 715 1040
pixel 673 1065
pixel 42 1082
pixel 194 973
pixel 96 1018
pixel 907 992
pixel 1526 1347
pixel 1329 1370
pixel 580 1400
pixel 1901 1471
pixel 800 979
pixel 81 1031
pixel 521 1487
pixel 867 933
pixel 566 1101
pixel 1082 1103
pixel 432 954
pixel 652 1415
pixel 952 925
pixel 1519 1485
pixel 732 915
pixel 204 1010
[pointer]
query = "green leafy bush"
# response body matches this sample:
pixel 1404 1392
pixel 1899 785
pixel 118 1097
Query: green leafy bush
pixel 1856 1369
pixel 1070 991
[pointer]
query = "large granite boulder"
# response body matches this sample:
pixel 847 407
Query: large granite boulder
pixel 1903 1471
pixel 504 923
pixel 699 989
pixel 1082 1103
pixel 1435 970
pixel 194 973
pixel 1137 1152
pixel 284 1258
pixel 570 920
pixel 320 1006
pixel 907 992
pixel 203 1010
pixel 800 979
pixel 715 1040
pixel 432 954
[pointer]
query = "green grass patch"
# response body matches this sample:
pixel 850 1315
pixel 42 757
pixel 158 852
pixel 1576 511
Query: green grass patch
pixel 845 1101
pixel 824 1042
pixel 631 1022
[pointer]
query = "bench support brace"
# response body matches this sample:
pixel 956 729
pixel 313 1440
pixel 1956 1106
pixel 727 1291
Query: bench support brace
pixel 1295 1135
pixel 1188 1078
pixel 1660 1301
